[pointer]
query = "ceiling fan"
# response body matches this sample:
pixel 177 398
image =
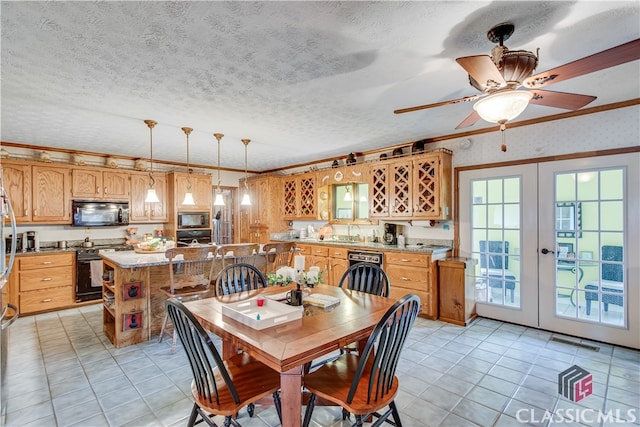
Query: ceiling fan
pixel 500 76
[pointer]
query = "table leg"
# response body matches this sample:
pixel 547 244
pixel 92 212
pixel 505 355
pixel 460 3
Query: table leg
pixel 228 350
pixel 291 397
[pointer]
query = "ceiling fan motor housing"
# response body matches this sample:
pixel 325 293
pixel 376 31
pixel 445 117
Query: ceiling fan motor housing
pixel 514 65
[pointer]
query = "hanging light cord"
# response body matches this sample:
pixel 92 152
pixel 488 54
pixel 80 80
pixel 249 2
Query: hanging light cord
pixel 151 124
pixel 245 142
pixel 218 137
pixel 187 132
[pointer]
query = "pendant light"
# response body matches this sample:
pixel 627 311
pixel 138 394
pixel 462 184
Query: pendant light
pixel 246 200
pixel 347 195
pixel 188 196
pixel 219 200
pixel 152 197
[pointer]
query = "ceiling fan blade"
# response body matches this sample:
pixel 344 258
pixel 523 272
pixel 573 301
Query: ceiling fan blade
pixel 482 69
pixel 437 104
pixel 599 61
pixel 470 120
pixel 568 101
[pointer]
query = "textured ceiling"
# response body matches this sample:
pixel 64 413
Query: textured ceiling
pixel 302 80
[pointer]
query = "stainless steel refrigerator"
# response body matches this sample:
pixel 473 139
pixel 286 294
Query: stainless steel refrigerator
pixel 9 311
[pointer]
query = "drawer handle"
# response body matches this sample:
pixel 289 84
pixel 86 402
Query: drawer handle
pixel 406 279
pixel 47 279
pixel 47 300
pixel 47 262
pixel 404 260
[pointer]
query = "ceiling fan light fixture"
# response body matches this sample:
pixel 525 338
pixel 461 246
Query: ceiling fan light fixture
pixel 502 106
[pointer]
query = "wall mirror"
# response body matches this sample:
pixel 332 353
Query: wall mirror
pixel 350 203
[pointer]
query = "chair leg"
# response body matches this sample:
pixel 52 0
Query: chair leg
pixel 358 421
pixel 309 411
pixel 164 326
pixel 396 414
pixel 276 401
pixel 251 408
pixel 227 421
pixel 194 415
pixel 173 343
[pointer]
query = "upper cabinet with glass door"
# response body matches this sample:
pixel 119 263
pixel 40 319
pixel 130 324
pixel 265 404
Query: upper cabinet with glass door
pixel 299 196
pixel 417 187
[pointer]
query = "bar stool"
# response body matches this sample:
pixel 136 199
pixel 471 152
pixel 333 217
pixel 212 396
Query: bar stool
pixel 241 253
pixel 278 255
pixel 189 278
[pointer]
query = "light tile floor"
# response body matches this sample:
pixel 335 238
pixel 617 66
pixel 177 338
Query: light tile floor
pixel 62 371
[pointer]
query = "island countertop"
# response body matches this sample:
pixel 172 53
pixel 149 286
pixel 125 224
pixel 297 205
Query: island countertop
pixel 132 259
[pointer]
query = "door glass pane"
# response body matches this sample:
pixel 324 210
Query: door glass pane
pixel 495 240
pixel 590 266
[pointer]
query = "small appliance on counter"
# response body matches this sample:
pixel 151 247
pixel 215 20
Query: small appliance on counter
pixel 30 241
pixel 390 234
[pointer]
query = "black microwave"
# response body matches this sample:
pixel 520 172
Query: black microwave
pixel 100 213
pixel 194 220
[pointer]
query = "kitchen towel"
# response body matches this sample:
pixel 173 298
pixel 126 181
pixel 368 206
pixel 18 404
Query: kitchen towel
pixel 95 267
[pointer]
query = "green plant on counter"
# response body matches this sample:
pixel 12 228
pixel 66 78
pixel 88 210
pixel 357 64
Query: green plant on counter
pixel 274 279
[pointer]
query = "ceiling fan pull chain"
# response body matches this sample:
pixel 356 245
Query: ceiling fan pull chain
pixel 503 128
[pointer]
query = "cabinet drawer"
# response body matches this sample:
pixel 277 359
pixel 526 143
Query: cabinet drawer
pixel 408 258
pixel 408 277
pixel 318 251
pixel 46 299
pixel 338 252
pixel 45 261
pixel 46 278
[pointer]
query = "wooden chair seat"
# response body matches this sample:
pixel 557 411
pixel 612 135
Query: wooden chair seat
pixel 251 379
pixel 334 380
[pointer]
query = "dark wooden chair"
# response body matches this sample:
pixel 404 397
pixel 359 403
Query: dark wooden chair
pixel 492 259
pixel 240 277
pixel 278 255
pixel 220 388
pixel 189 278
pixel 363 385
pixel 366 277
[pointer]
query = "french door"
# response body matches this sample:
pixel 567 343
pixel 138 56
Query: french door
pixel 557 245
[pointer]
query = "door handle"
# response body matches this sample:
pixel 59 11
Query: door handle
pixel 546 251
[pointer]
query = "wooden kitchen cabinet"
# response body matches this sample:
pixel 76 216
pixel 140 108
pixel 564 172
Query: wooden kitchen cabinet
pixel 38 193
pixel 457 302
pixel 201 188
pixel 338 264
pixel 415 273
pixel 45 282
pixel 416 187
pixel 299 196
pixel 315 255
pixel 88 183
pixel 16 179
pixel 51 190
pixel 141 212
pixel 264 216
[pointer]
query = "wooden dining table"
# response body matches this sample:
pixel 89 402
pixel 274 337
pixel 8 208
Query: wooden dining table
pixel 287 347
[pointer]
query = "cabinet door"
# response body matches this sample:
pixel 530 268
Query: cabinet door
pixel 379 190
pixel 243 225
pixel 337 267
pixel 426 187
pixel 254 210
pixel 16 179
pixel 400 195
pixel 158 211
pixel 51 194
pixel 137 207
pixel 86 183
pixel 289 198
pixel 307 201
pixel 116 185
pixel 203 192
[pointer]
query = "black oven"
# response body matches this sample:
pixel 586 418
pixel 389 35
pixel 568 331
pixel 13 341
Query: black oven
pixel 188 220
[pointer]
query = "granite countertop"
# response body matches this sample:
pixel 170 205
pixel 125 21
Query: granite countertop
pixel 419 248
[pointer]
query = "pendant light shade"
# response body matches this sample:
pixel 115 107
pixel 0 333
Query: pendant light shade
pixel 152 197
pixel 188 196
pixel 347 196
pixel 246 199
pixel 219 200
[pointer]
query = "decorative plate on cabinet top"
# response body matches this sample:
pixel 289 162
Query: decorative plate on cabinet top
pixel 338 176
pixel 324 195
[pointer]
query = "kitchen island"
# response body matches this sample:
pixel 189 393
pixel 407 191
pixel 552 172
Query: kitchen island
pixel 133 303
